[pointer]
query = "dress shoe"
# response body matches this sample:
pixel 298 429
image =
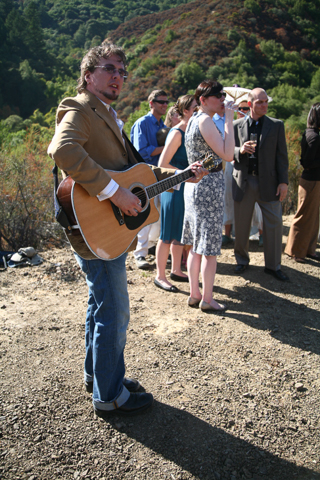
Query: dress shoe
pixel 206 307
pixel 240 268
pixel 136 403
pixel 142 263
pixel 193 302
pixel 172 289
pixel 130 383
pixel 278 274
pixel 313 257
pixel 178 278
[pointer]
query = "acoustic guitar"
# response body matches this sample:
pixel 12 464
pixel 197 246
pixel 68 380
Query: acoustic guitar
pixel 107 231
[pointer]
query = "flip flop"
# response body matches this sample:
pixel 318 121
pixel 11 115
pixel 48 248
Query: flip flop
pixel 167 289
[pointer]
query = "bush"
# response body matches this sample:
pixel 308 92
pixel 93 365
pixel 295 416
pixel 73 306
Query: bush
pixel 252 6
pixel 189 75
pixel 293 138
pixel 171 35
pixel 26 199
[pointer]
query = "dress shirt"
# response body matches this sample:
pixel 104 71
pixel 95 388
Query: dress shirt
pixel 144 137
pixel 219 122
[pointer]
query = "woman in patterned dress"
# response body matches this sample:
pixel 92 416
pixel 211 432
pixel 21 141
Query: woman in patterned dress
pixel 204 201
pixel 172 204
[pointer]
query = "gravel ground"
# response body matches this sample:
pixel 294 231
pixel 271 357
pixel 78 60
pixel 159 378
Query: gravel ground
pixel 236 395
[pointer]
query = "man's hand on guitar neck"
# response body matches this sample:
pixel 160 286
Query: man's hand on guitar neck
pixel 127 202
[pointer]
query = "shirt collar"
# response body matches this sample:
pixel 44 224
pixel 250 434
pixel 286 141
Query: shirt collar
pixel 256 122
pixel 154 120
pixel 217 117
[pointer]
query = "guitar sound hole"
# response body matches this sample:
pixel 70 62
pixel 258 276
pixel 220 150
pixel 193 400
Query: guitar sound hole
pixel 141 194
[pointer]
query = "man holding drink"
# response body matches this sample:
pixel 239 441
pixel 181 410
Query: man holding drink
pixel 260 175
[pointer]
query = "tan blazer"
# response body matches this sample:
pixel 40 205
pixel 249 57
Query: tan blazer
pixel 86 142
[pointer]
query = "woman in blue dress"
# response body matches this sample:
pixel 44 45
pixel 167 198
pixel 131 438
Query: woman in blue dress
pixel 172 204
pixel 204 201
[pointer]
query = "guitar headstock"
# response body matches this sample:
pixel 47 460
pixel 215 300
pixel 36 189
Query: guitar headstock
pixel 210 162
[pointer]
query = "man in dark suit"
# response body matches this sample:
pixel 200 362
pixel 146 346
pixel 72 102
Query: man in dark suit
pixel 260 175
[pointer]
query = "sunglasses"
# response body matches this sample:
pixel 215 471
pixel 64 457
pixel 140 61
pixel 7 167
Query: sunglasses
pixel 162 102
pixel 244 109
pixel 111 69
pixel 218 95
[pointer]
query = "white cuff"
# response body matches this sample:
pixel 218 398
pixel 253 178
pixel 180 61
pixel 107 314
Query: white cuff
pixel 108 191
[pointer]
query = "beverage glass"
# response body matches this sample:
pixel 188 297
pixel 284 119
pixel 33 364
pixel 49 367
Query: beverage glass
pixel 254 139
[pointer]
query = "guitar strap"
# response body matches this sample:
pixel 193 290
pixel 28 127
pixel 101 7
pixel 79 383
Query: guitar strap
pixel 59 213
pixel 135 152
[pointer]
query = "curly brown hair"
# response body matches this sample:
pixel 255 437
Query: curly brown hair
pixel 92 58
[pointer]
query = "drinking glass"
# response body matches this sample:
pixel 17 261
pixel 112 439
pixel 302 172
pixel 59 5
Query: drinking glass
pixel 254 139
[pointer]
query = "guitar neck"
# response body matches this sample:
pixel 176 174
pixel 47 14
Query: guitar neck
pixel 164 185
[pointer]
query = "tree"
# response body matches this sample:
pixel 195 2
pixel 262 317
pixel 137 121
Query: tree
pixel 189 75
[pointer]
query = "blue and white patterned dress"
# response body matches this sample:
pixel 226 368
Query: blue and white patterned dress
pixel 202 225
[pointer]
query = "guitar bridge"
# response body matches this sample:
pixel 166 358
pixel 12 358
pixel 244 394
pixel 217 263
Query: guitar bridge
pixel 117 214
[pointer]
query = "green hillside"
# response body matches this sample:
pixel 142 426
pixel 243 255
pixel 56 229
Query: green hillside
pixel 274 44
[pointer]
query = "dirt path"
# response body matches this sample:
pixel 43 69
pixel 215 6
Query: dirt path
pixel 237 396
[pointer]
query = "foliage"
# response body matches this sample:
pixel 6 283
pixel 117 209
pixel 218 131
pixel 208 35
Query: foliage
pixel 253 6
pixel 171 35
pixel 293 138
pixel 188 75
pixel 133 117
pixel 26 202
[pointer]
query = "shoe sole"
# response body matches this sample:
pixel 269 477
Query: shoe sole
pixel 118 411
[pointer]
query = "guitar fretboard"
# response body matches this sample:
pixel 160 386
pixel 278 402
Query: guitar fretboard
pixel 164 185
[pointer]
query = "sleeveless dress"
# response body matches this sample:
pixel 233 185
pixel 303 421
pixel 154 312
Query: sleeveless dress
pixel 204 201
pixel 172 204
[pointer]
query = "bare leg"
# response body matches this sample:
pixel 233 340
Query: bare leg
pixel 227 229
pixel 194 263
pixel 208 272
pixel 176 252
pixel 162 253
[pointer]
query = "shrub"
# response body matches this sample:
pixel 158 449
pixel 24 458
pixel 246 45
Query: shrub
pixel 26 200
pixel 293 138
pixel 171 35
pixel 189 75
pixel 253 6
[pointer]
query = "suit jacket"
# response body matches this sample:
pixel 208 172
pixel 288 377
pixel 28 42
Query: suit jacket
pixel 273 159
pixel 86 142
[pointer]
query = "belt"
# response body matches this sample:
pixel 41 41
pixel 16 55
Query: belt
pixel 216 169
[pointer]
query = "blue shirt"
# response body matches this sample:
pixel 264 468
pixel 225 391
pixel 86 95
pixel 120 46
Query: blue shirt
pixel 144 137
pixel 219 122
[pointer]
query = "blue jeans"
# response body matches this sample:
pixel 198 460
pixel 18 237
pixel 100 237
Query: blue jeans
pixel 106 325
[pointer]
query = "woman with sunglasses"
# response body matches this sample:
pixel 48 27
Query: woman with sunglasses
pixel 172 204
pixel 204 201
